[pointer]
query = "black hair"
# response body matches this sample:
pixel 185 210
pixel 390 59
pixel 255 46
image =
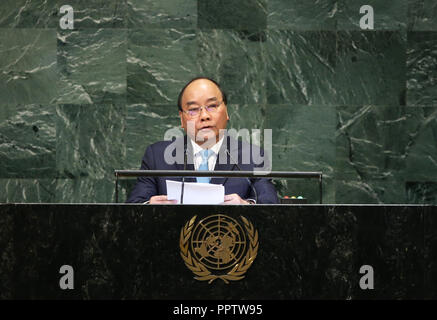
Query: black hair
pixel 225 100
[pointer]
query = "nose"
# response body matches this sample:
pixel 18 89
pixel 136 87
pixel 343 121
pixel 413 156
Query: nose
pixel 204 115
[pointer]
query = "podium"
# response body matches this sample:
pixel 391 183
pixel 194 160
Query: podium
pixel 229 174
pixel 129 251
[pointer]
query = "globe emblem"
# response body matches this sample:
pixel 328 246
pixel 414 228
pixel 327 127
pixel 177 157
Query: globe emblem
pixel 218 242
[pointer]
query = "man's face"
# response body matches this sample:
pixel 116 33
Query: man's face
pixel 205 127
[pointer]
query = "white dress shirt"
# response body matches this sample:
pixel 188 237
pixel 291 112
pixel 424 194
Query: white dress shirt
pixel 212 158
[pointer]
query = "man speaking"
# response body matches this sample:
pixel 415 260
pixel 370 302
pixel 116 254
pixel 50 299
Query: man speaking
pixel 203 112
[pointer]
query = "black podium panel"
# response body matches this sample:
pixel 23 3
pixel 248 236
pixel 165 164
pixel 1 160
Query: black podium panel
pixel 133 252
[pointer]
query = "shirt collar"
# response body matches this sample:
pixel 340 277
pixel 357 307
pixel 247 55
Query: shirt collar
pixel 215 148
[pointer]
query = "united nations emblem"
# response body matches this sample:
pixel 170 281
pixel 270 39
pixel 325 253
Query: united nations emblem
pixel 218 247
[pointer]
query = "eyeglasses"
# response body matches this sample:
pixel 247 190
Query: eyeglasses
pixel 210 108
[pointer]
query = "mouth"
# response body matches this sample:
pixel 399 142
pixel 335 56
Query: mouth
pixel 206 128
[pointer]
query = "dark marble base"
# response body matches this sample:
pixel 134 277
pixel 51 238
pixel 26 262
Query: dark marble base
pixel 132 252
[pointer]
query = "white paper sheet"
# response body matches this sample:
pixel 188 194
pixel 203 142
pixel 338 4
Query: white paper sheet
pixel 196 193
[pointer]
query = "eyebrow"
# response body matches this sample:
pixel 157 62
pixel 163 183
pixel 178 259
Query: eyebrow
pixel 189 103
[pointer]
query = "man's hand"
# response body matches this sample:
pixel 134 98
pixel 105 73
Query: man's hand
pixel 234 199
pixel 161 200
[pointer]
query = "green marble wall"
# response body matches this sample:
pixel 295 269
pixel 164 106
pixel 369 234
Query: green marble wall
pixel 361 106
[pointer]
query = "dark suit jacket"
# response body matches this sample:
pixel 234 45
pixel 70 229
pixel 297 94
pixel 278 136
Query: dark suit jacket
pixel 153 159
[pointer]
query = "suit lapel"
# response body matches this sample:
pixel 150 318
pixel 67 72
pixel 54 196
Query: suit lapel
pixel 228 164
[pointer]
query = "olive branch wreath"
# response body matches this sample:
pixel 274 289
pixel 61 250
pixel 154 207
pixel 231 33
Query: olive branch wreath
pixel 202 273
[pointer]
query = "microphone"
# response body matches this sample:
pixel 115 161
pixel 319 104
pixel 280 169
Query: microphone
pixel 183 177
pixel 248 180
